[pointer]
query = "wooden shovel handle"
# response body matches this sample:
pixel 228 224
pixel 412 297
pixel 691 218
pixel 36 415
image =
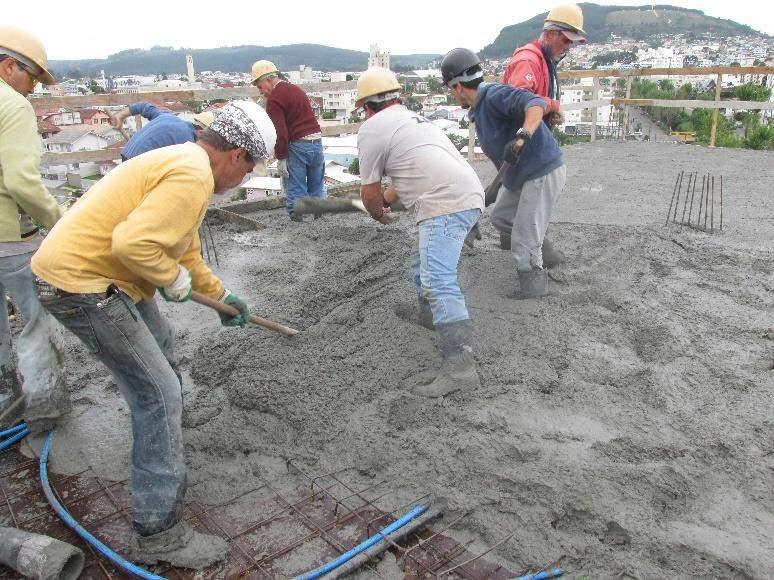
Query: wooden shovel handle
pixel 231 311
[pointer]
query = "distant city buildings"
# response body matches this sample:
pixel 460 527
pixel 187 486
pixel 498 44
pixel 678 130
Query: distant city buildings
pixel 378 58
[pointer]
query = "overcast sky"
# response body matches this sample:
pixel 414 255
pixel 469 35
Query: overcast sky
pixel 90 29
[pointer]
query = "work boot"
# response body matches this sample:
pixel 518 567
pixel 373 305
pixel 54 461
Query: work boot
pixel 551 256
pixel 44 411
pixel 296 217
pixel 179 546
pixel 533 283
pixel 458 370
pixel 421 315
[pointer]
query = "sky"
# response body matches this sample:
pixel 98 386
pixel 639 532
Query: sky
pixel 90 29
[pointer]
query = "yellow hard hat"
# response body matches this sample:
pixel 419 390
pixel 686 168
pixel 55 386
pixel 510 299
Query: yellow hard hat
pixel 262 68
pixel 566 16
pixel 17 42
pixel 204 119
pixel 375 81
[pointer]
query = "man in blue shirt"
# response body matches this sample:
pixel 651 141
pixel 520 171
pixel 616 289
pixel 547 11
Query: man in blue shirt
pixel 164 129
pixel 509 125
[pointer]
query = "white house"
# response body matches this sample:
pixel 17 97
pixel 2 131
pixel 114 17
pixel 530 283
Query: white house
pixel 338 104
pixel 342 150
pixel 260 187
pixel 337 174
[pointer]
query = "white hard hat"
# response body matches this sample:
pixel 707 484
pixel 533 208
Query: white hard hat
pixel 245 124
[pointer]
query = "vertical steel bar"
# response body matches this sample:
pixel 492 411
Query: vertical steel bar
pixel 706 204
pixel 712 210
pixel 672 201
pixel 677 199
pixel 685 203
pixel 721 203
pixel 701 201
pixel 693 193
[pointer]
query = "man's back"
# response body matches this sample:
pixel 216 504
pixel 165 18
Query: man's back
pixel 164 129
pixel 422 162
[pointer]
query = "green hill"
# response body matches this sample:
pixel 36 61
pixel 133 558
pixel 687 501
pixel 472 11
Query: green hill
pixel 638 22
pixel 164 59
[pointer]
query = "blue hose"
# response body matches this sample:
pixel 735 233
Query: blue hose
pixel 78 528
pixel 20 432
pixel 553 573
pixel 378 537
pixel 16 429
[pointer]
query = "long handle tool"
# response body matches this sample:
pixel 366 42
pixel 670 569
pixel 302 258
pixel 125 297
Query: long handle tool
pixel 231 311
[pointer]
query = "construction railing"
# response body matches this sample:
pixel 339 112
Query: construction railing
pixel 117 99
pixel 107 100
pixel 630 74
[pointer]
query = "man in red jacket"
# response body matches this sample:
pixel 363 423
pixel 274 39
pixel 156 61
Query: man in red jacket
pixel 299 151
pixel 533 67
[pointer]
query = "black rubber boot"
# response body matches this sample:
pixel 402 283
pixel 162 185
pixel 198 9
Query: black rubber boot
pixel 458 371
pixel 421 314
pixel 551 256
pixel 44 411
pixel 179 546
pixel 533 283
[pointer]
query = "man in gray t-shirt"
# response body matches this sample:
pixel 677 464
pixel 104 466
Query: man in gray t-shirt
pixel 427 173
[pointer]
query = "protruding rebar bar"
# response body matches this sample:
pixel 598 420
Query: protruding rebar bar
pixel 685 203
pixel 721 203
pixel 677 199
pixel 693 192
pixel 671 201
pixel 712 210
pixel 706 203
pixel 701 201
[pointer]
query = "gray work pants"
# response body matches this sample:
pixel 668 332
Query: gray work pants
pixel 137 344
pixel 526 214
pixel 38 347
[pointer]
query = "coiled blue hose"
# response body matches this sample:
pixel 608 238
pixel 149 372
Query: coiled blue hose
pixel 362 547
pixel 16 434
pixel 552 573
pixel 78 528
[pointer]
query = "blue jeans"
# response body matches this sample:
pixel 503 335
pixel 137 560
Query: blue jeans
pixel 434 268
pixel 137 344
pixel 306 166
pixel 38 347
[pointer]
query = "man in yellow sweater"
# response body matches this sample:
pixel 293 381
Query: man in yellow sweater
pixel 134 232
pixel 24 198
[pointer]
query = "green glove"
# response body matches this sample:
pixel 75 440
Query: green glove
pixel 244 312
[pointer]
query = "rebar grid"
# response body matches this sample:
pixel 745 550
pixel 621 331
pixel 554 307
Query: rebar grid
pixel 326 506
pixel 704 219
pixel 441 558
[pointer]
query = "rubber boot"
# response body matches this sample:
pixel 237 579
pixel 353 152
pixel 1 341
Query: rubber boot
pixel 179 546
pixel 551 256
pixel 505 240
pixel 421 315
pixel 44 411
pixel 458 370
pixel 533 283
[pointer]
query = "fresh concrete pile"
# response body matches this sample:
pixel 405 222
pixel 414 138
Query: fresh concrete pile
pixel 624 423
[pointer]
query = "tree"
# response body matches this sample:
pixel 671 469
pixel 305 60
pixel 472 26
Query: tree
pixel 95 88
pixel 354 167
pixel 464 124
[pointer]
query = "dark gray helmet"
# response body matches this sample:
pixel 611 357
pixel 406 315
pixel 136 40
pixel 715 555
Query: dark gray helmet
pixel 456 62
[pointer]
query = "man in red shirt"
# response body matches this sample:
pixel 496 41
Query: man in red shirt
pixel 533 67
pixel 299 151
